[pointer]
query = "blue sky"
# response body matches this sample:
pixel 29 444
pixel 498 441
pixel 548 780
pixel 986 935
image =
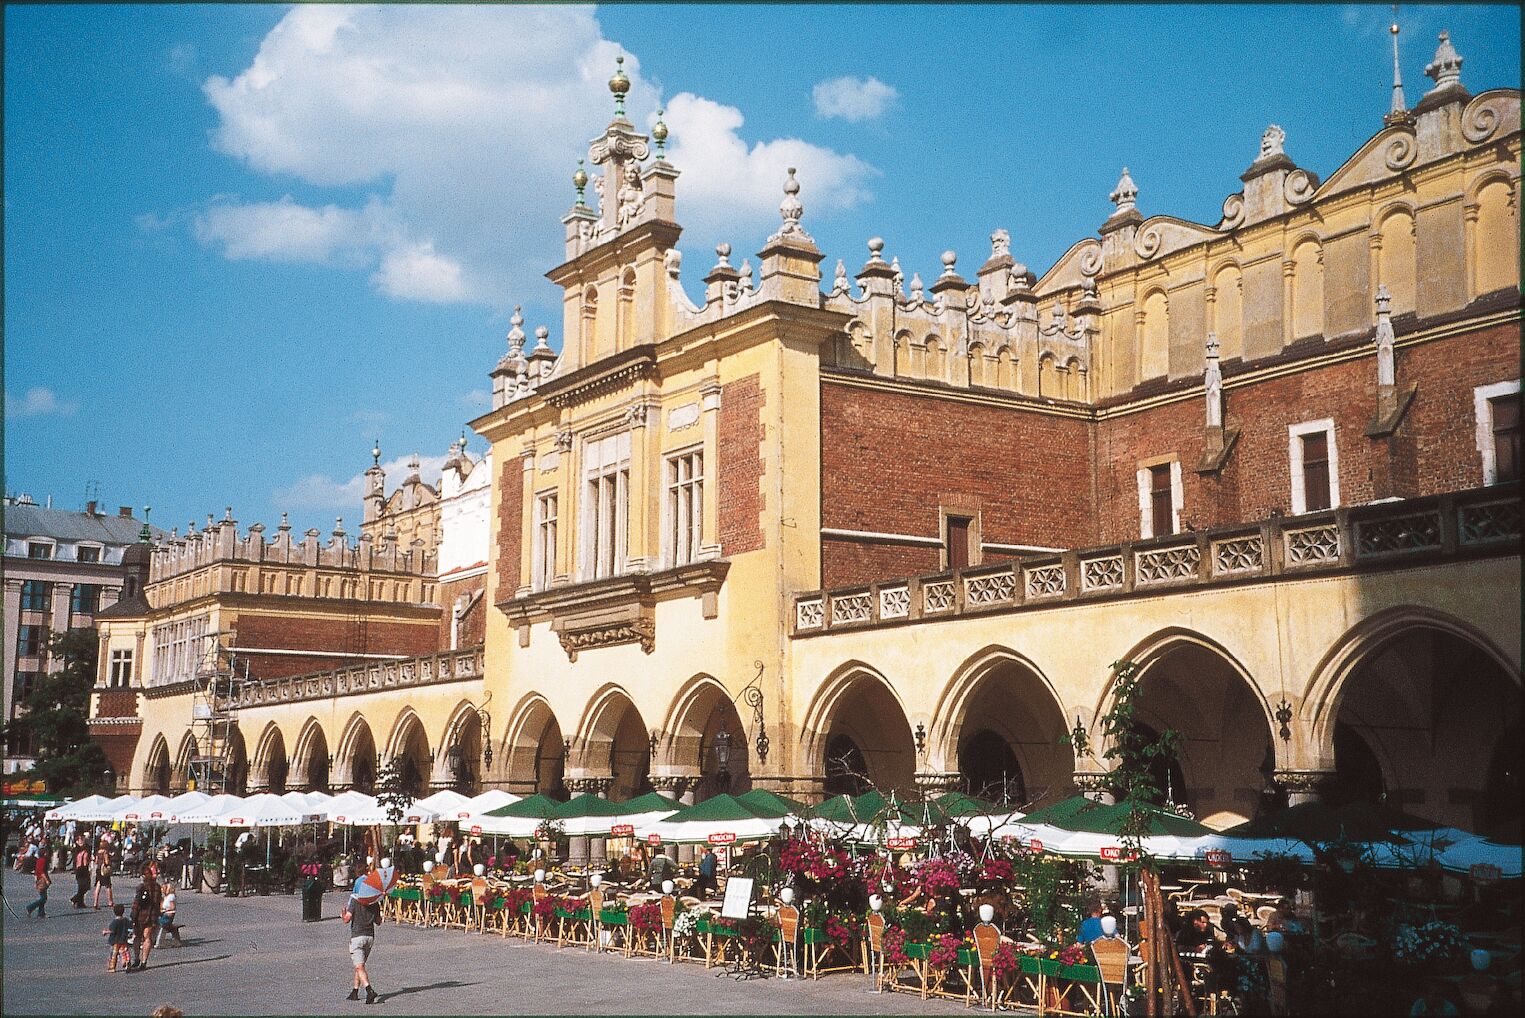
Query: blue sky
pixel 243 241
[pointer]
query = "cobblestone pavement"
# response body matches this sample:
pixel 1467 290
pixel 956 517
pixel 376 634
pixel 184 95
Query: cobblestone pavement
pixel 255 956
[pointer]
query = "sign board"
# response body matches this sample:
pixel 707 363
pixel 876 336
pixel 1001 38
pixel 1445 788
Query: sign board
pixel 900 844
pixel 1035 845
pixel 235 821
pixel 653 839
pixel 476 829
pixel 1111 853
pixel 156 816
pixel 1485 873
pixel 622 831
pixel 722 838
pixel 1217 857
pixel 738 898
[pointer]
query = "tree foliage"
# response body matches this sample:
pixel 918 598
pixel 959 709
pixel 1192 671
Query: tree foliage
pixel 391 794
pixel 54 718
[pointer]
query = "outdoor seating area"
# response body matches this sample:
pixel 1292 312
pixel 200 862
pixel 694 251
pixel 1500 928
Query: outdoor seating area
pixel 1053 911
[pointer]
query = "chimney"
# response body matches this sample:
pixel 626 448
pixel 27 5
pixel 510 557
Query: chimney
pixel 124 510
pixel 90 507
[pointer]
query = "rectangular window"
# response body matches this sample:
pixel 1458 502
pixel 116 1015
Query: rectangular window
pixel 37 549
pixel 685 507
pixel 87 553
pixel 1506 437
pixel 23 686
pixel 30 640
pixel 120 676
pixel 606 505
pixel 1314 460
pixel 34 595
pixel 1161 504
pixel 1316 471
pixel 544 571
pixel 86 599
pixel 958 541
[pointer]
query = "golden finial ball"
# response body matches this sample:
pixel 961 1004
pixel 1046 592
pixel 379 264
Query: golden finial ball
pixel 619 84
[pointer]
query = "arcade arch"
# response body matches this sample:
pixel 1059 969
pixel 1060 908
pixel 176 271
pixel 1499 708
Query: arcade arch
pixel 614 744
pixel 703 710
pixel 856 734
pixel 533 751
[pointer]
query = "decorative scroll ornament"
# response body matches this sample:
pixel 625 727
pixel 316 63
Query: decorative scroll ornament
pixel 673 261
pixel 1401 152
pixel 1090 259
pixel 1233 211
pixel 1299 186
pixel 1149 242
pixel 1479 122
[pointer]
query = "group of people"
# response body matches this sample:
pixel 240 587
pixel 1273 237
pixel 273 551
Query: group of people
pixel 133 935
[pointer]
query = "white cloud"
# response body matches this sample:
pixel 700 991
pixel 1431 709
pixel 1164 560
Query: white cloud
pixel 728 181
pixel 462 125
pixel 853 99
pixel 319 491
pixel 475 399
pixel 39 401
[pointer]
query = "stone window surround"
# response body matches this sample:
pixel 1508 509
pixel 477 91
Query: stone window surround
pixel 1295 434
pixel 969 509
pixel 669 550
pixel 543 560
pixel 1177 495
pixel 1481 401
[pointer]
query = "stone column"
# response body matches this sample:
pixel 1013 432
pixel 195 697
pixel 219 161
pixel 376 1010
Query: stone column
pixel 12 630
pixel 598 853
pixel 577 851
pixel 1302 786
pixel 58 620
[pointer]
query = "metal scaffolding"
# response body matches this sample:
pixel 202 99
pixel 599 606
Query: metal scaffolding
pixel 214 712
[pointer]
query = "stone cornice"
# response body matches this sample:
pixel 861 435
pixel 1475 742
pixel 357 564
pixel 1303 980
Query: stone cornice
pixel 615 372
pixel 616 591
pixel 171 689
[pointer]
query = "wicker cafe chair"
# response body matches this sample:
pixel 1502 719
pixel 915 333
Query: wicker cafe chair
pixel 479 901
pixel 1111 954
pixel 669 915
pixel 873 950
pixel 786 951
pixel 987 940
pixel 540 928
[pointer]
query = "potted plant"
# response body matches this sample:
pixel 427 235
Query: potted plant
pixel 211 870
pixel 341 871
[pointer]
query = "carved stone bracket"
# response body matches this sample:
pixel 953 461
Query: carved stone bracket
pixel 1093 782
pixel 674 785
pixel 938 781
pixel 1301 782
pixel 1216 448
pixel 598 784
pixel 629 624
pixel 1392 407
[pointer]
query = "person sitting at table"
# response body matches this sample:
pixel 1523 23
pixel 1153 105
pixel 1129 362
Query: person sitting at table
pixel 1090 926
pixel 1234 926
pixel 1196 936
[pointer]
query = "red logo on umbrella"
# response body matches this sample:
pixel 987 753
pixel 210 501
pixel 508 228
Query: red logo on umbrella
pixel 1217 857
pixel 235 821
pixel 722 838
pixel 1484 872
pixel 900 844
pixel 1035 845
pixel 622 830
pixel 654 839
pixel 1111 853
pixel 476 829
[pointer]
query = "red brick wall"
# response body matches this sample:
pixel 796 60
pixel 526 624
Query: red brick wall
pixel 890 459
pixel 473 625
pixel 740 468
pixel 116 703
pixel 1435 449
pixel 119 744
pixel 510 525
pixel 340 636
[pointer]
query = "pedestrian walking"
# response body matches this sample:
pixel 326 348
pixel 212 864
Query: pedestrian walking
pixel 118 933
pixel 103 877
pixel 362 917
pixel 81 871
pixel 167 908
pixel 145 917
pixel 43 883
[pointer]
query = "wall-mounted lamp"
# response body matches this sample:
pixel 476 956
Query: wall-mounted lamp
pixel 1284 719
pixel 921 737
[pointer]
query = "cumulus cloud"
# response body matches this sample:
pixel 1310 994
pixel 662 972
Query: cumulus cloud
pixel 461 125
pixel 476 399
pixel 320 491
pixel 853 99
pixel 39 401
pixel 726 180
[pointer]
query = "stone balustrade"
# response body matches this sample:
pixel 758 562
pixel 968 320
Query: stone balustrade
pixel 1482 522
pixel 372 677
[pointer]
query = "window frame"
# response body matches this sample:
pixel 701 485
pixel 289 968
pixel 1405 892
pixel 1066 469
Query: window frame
pixel 33 546
pixel 543 551
pixel 76 606
pixel 1482 399
pixel 39 591
pixel 675 513
pixel 98 550
pixel 1145 476
pixel 1295 434
pixel 119 675
pixel 604 509
pixel 35 648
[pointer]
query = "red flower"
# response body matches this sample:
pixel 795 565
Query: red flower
pixel 894 946
pixel 647 917
pixel 998 871
pixel 945 955
pixel 1003 965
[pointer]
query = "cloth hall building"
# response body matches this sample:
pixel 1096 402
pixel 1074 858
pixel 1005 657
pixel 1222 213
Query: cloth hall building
pixel 824 524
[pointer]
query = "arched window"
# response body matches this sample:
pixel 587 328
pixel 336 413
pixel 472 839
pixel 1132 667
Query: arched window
pixel 1396 260
pixel 1497 245
pixel 1228 311
pixel 590 323
pixel 1307 290
pixel 1005 369
pixel 977 364
pixel 1048 377
pixel 1154 337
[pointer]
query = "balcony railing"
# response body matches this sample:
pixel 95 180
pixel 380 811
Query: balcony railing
pixel 429 670
pixel 1482 522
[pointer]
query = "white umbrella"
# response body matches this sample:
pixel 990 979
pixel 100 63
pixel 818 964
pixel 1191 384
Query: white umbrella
pixel 151 809
pixel 715 832
pixel 183 803
pixel 104 810
pixel 446 802
pixel 1451 848
pixel 1248 849
pixel 376 813
pixel 342 807
pixel 71 810
pixel 214 806
pixel 607 825
pixel 264 810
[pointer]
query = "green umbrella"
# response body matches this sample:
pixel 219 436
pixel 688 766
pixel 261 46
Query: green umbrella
pixel 1056 813
pixel 1318 821
pixel 651 802
pixel 721 807
pixel 776 804
pixel 957 804
pixel 588 805
pixel 1080 814
pixel 537 806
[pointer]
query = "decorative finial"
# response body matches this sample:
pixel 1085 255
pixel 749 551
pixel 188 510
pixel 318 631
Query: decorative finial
pixel 619 85
pixel 950 259
pixel 1399 107
pixel 899 276
pixel 723 254
pixel 1000 244
pixel 1125 194
pixel 227 514
pixel 1445 69
pixel 146 536
pixel 516 333
pixel 1384 338
pixel 791 209
pixel 916 287
pixel 875 246
pixel 1212 383
pixel 659 135
pixel 542 337
pixel 376 453
pixel 285 523
pixel 580 181
pixel 839 279
pixel 338 524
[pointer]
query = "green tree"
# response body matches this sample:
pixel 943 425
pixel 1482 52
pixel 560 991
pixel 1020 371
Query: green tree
pixel 54 718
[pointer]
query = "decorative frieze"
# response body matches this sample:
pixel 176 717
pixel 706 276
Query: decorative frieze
pixel 378 676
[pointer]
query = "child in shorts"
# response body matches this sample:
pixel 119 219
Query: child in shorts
pixel 117 933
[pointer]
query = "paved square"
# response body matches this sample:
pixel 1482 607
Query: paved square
pixel 255 956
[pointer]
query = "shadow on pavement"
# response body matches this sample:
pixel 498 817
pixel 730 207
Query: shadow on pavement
pixel 447 984
pixel 188 961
